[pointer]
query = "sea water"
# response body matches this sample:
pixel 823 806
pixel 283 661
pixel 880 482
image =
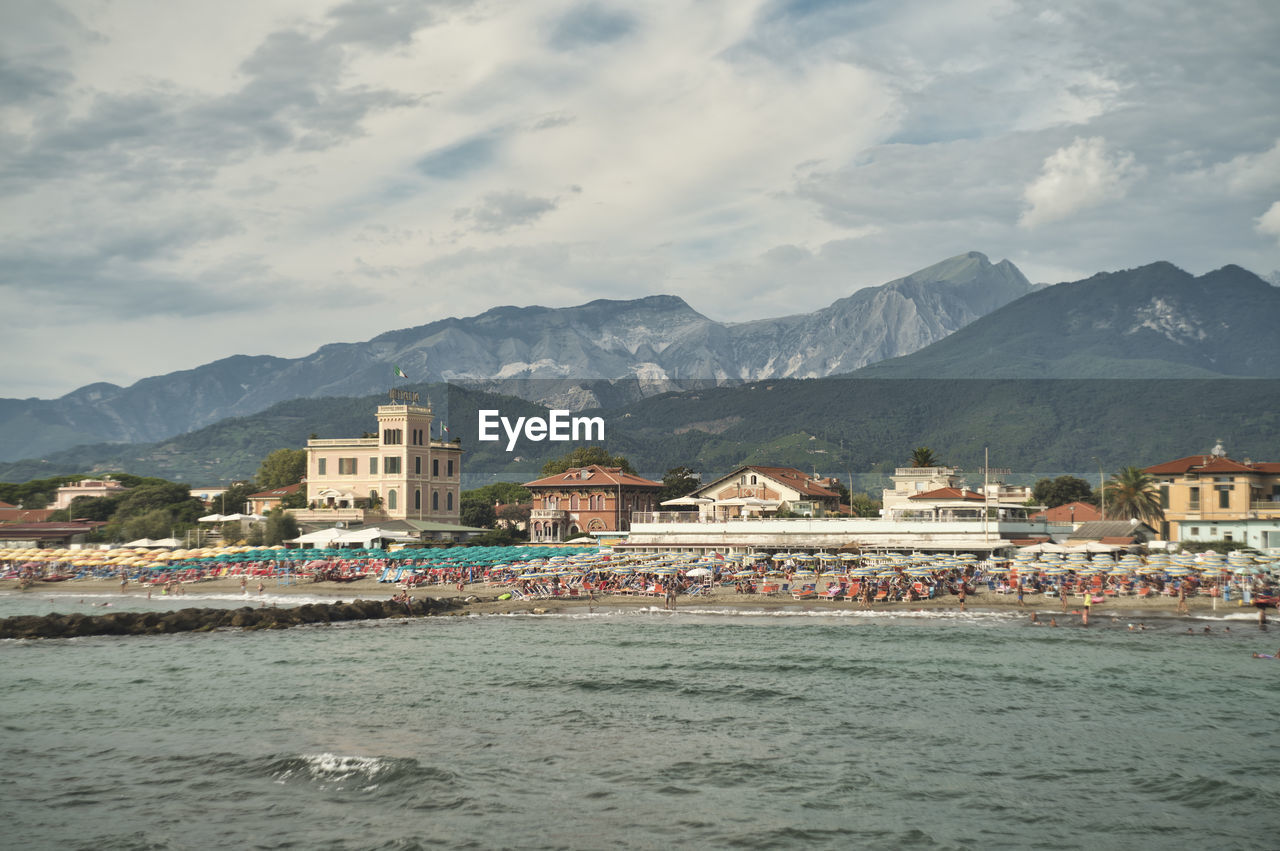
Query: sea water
pixel 646 729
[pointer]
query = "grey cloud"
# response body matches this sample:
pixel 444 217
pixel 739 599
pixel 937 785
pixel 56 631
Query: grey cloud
pixel 375 23
pixel 501 211
pixel 291 98
pixel 459 159
pixel 590 24
pixel 19 83
pixel 114 270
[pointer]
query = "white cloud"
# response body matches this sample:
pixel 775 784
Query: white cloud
pixel 333 163
pixel 1081 175
pixel 1269 222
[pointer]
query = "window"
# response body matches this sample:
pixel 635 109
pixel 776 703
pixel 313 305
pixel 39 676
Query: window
pixel 448 501
pixel 347 466
pixel 1164 496
pixel 417 465
pixel 391 499
pixel 373 466
pixel 1227 536
pixel 1193 495
pixel 435 468
pixel 1195 530
pixel 753 480
pixel 1224 497
pixel 391 465
pixel 417 500
pixel 435 500
pixel 320 466
pixel 392 436
pixel 573 502
pixel 450 473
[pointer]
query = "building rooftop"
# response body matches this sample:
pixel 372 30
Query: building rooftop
pixel 594 475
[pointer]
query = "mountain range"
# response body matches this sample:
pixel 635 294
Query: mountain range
pixel 537 352
pixel 1214 332
pixel 1156 321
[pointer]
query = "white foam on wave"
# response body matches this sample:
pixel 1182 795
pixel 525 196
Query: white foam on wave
pixel 330 769
pixel 781 614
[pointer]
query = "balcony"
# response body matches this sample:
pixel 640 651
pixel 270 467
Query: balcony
pixel 549 514
pixel 330 516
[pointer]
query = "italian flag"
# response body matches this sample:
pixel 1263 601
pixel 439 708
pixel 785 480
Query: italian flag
pixel 400 373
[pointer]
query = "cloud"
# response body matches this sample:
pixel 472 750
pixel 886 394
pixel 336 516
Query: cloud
pixel 459 159
pixel 1082 175
pixel 501 211
pixel 755 157
pixel 27 82
pixel 1269 222
pixel 590 24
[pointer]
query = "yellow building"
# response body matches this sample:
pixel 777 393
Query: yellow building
pixel 1214 498
pixel 400 473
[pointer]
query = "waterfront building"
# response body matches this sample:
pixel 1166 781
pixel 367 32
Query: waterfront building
pixel 263 501
pixel 1212 497
pixel 397 473
pixel 592 500
pixel 1074 513
pixel 911 484
pixel 209 494
pixel 696 533
pixel 85 487
pixel 754 490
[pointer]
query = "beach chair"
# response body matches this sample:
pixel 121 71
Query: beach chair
pixel 882 595
pixel 834 592
pixel 805 592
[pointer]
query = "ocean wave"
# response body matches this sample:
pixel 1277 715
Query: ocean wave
pixel 358 773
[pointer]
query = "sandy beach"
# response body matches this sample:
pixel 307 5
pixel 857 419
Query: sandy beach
pixel 486 601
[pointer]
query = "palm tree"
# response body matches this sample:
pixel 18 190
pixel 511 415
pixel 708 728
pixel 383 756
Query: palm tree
pixel 1133 495
pixel 922 456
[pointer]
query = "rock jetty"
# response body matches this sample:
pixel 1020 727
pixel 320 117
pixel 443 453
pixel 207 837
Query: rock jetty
pixel 203 620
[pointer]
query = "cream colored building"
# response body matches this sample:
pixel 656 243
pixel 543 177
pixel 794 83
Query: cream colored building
pixel 910 484
pixel 1211 497
pixel 85 487
pixel 399 474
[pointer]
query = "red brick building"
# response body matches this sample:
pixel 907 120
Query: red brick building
pixel 588 500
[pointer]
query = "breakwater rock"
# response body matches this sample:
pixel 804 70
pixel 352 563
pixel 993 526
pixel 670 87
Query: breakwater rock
pixel 203 620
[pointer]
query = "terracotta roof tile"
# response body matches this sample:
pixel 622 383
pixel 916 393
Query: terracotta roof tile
pixel 1084 512
pixel 596 475
pixel 948 493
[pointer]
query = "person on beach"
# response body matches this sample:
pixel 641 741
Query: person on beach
pixel 244 585
pixel 261 587
pixel 962 589
pixel 1088 604
pixel 1020 603
pixel 1182 600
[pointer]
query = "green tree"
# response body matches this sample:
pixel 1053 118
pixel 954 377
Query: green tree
pixel 156 523
pixel 1054 492
pixel 94 507
pixel 1132 494
pixel 278 527
pixel 282 467
pixel 231 532
pixel 585 456
pixel 233 501
pixel 865 505
pixel 175 498
pixel 922 456
pixel 475 511
pixel 678 482
pixel 508 493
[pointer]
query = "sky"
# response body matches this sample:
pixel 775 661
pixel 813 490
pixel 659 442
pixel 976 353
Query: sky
pixel 183 181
